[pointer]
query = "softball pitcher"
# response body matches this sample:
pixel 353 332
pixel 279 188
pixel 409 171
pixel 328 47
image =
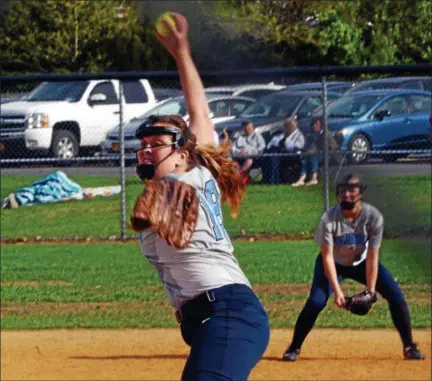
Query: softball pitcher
pixel 349 236
pixel 179 218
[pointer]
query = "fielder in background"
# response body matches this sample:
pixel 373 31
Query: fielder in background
pixel 349 236
pixel 179 218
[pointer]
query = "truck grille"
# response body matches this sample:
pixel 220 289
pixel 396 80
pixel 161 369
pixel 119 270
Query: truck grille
pixel 12 123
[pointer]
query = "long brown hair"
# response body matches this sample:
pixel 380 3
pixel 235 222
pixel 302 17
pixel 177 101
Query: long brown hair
pixel 224 170
pixel 215 159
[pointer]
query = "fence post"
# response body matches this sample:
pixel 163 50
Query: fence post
pixel 326 153
pixel 122 168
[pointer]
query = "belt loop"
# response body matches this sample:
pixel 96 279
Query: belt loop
pixel 210 296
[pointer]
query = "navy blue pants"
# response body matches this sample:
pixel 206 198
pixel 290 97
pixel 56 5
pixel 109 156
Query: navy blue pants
pixel 321 290
pixel 228 332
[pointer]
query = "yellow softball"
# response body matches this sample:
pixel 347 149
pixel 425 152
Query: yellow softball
pixel 161 27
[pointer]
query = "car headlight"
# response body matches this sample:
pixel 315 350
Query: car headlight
pixel 341 132
pixel 37 120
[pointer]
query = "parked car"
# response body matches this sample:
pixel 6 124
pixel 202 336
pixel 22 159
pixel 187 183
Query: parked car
pixel 4 100
pixel 415 83
pixel 334 87
pixel 62 118
pixel 162 94
pixel 221 107
pixel 246 90
pixel 268 113
pixel 365 121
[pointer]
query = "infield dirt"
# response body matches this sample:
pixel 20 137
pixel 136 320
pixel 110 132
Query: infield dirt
pixel 160 354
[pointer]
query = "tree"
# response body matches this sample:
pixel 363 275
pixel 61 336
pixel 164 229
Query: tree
pixel 54 36
pixel 305 32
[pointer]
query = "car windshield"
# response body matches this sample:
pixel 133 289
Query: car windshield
pixel 272 105
pixel 352 106
pixel 170 107
pixel 58 91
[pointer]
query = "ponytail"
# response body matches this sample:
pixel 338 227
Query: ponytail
pixel 224 170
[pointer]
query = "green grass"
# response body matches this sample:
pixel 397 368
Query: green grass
pixel 112 285
pixel 405 202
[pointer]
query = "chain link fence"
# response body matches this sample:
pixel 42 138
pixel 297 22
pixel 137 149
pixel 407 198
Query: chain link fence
pixel 314 124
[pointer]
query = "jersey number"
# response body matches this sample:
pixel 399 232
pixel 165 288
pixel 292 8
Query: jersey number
pixel 212 207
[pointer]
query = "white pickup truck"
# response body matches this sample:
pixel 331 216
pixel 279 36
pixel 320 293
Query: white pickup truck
pixel 62 118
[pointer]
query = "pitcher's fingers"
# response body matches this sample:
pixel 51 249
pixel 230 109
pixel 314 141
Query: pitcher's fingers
pixel 180 21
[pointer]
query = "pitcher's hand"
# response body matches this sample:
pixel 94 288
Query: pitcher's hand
pixel 176 42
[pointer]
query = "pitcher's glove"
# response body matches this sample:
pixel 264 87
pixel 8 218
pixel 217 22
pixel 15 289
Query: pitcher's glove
pixel 170 208
pixel 361 304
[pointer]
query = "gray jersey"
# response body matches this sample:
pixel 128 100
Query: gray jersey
pixel 208 261
pixel 350 240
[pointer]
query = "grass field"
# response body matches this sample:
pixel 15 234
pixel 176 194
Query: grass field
pixel 404 201
pixel 112 285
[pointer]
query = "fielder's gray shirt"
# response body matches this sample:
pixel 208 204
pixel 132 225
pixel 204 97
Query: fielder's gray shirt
pixel 208 261
pixel 350 240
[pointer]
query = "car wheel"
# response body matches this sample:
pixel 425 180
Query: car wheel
pixel 64 145
pixel 359 146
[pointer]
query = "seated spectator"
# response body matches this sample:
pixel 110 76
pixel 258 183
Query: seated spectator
pixel 246 148
pixel 314 148
pixel 291 140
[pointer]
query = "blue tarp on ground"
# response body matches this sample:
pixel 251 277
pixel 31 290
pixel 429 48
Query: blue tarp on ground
pixel 54 187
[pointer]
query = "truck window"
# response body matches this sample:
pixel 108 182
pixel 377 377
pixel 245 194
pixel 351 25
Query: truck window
pixel 134 92
pixel 107 89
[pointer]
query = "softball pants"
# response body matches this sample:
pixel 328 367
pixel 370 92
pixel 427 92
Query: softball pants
pixel 321 290
pixel 228 332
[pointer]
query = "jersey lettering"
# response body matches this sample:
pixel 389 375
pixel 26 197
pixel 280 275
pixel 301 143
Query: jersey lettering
pixel 212 207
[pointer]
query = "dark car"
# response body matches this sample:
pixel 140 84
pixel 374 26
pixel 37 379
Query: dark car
pixel 377 120
pixel 415 83
pixel 269 111
pixel 162 94
pixel 335 87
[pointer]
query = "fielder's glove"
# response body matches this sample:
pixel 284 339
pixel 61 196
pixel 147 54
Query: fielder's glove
pixel 170 208
pixel 361 304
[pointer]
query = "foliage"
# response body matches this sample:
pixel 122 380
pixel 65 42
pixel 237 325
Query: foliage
pixel 92 36
pixel 69 35
pixel 334 32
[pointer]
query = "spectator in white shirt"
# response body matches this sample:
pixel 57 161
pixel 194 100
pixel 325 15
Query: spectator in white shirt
pixel 290 141
pixel 247 148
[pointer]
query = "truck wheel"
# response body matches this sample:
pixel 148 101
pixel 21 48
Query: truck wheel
pixel 64 145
